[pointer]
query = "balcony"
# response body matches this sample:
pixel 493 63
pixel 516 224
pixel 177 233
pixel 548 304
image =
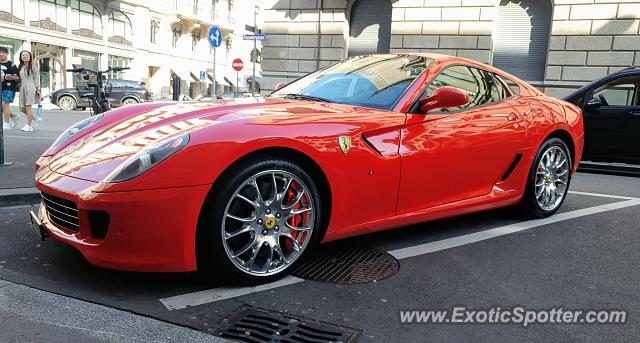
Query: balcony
pixel 201 12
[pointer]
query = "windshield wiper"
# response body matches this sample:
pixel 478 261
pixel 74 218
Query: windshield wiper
pixel 306 97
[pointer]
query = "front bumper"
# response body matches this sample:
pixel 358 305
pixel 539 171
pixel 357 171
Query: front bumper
pixel 151 230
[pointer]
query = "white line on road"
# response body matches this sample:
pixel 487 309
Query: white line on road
pixel 216 294
pixel 211 295
pixel 32 137
pixel 603 195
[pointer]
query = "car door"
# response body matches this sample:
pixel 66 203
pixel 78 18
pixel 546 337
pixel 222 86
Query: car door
pixel 117 91
pixel 458 153
pixel 612 121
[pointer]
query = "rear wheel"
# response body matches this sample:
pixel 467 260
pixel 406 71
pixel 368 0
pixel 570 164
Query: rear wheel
pixel 261 223
pixel 129 101
pixel 67 103
pixel 548 181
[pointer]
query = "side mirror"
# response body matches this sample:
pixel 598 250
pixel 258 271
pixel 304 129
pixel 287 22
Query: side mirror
pixel 444 97
pixel 280 85
pixel 593 103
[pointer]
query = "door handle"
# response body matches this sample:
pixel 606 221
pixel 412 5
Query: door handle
pixel 635 114
pixel 512 117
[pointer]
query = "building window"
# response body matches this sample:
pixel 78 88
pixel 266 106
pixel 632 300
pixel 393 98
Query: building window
pixel 175 37
pixel 117 61
pixel 120 31
pixel 84 59
pixel 214 4
pixel 85 20
pixel 155 27
pixel 370 34
pixel 195 7
pixel 195 39
pixel 521 38
pixel 12 11
pixel 50 14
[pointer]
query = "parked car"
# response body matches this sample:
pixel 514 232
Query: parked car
pixel 244 189
pixel 123 92
pixel 611 110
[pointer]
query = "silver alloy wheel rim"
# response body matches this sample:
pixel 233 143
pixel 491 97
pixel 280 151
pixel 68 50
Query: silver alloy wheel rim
pixel 552 178
pixel 66 103
pixel 265 231
pixel 129 102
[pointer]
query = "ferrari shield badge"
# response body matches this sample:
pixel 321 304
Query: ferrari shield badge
pixel 345 144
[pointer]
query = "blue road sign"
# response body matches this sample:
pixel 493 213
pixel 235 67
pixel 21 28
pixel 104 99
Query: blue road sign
pixel 257 36
pixel 215 36
pixel 203 75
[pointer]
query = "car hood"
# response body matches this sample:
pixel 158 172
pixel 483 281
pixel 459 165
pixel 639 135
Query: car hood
pixel 129 130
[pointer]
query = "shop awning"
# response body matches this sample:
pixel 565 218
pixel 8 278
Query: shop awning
pixel 182 73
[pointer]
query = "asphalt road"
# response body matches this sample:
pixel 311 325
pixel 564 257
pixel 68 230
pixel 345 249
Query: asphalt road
pixel 584 257
pixel 22 149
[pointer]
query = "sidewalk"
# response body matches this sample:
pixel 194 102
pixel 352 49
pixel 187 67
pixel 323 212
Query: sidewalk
pixel 31 315
pixel 22 149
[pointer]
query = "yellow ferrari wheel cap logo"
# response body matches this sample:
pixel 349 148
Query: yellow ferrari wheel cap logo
pixel 345 144
pixel 269 222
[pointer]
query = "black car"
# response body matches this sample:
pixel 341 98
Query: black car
pixel 123 92
pixel 611 109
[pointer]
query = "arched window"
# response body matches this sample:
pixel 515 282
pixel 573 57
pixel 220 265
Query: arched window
pixel 12 11
pixel 85 20
pixel 119 29
pixel 521 38
pixel 369 27
pixel 49 14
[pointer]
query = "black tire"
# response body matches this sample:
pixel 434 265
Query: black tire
pixel 129 101
pixel 213 261
pixel 67 103
pixel 528 205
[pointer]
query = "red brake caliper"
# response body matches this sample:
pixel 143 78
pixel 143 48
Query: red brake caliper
pixel 293 221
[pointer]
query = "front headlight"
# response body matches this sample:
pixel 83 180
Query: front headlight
pixel 147 159
pixel 73 130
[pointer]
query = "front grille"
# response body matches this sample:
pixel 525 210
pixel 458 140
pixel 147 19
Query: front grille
pixel 62 212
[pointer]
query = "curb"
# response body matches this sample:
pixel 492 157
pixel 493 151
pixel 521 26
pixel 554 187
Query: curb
pixel 19 196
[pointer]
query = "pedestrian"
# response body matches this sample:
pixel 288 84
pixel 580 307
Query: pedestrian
pixel 10 80
pixel 29 88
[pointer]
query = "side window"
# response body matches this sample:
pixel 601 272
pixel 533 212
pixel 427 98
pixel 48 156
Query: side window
pixel 512 87
pixel 503 89
pixel 116 84
pixel 621 92
pixel 479 85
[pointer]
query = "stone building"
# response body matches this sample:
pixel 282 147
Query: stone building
pixel 555 45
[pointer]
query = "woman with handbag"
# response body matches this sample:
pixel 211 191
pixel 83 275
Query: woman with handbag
pixel 29 88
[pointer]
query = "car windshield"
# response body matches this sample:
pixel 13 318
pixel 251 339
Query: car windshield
pixel 375 81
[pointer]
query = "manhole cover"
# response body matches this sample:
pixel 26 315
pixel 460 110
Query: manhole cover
pixel 348 265
pixel 254 325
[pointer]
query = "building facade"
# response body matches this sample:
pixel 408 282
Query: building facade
pixel 158 40
pixel 555 45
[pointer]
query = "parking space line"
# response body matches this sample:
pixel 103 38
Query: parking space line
pixel 216 294
pixel 505 230
pixel 603 195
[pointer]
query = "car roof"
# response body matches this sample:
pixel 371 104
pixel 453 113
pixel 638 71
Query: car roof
pixel 632 71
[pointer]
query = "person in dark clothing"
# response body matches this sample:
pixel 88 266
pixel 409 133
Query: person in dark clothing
pixel 10 80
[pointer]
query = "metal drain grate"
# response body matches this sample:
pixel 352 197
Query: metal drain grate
pixel 254 325
pixel 348 265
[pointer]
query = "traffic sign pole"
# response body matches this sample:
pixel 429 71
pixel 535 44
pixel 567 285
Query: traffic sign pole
pixel 215 38
pixel 237 78
pixel 254 54
pixel 237 65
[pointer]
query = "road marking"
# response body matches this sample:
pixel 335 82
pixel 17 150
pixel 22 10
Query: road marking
pixel 505 230
pixel 603 195
pixel 32 137
pixel 216 294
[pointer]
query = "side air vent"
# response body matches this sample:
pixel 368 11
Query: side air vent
pixel 513 166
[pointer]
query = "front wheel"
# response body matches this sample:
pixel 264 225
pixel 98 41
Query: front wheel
pixel 129 101
pixel 548 181
pixel 67 103
pixel 260 223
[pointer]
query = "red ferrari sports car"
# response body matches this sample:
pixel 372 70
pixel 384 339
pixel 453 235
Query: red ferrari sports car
pixel 245 188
